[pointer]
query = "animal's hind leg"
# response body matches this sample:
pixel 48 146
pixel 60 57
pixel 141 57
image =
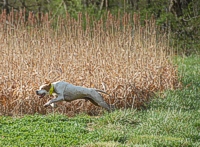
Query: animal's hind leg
pixel 98 100
pixel 104 105
pixel 92 101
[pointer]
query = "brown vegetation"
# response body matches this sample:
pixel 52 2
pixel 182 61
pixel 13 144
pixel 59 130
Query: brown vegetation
pixel 116 54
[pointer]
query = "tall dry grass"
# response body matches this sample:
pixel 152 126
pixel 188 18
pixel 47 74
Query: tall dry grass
pixel 116 54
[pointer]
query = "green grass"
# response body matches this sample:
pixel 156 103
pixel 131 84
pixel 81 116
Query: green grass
pixel 171 120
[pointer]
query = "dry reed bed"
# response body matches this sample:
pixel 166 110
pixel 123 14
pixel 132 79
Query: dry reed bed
pixel 127 60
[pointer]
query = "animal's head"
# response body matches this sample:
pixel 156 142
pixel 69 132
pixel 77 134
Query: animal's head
pixel 46 89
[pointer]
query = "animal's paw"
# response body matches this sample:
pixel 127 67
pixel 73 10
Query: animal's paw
pixel 112 108
pixel 53 105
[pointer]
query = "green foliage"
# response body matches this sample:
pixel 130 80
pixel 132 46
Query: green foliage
pixel 40 130
pixel 188 97
pixel 57 8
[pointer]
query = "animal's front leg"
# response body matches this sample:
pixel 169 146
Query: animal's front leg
pixel 59 98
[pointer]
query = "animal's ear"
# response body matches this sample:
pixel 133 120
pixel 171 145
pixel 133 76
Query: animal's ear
pixel 47 81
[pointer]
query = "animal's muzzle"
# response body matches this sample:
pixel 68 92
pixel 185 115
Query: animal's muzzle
pixel 39 94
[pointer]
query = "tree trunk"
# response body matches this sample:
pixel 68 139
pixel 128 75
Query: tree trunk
pixel 134 4
pixel 176 6
pixel 148 2
pixel 5 6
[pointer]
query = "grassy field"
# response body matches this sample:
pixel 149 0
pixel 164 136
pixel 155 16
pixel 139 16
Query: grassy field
pixel 171 119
